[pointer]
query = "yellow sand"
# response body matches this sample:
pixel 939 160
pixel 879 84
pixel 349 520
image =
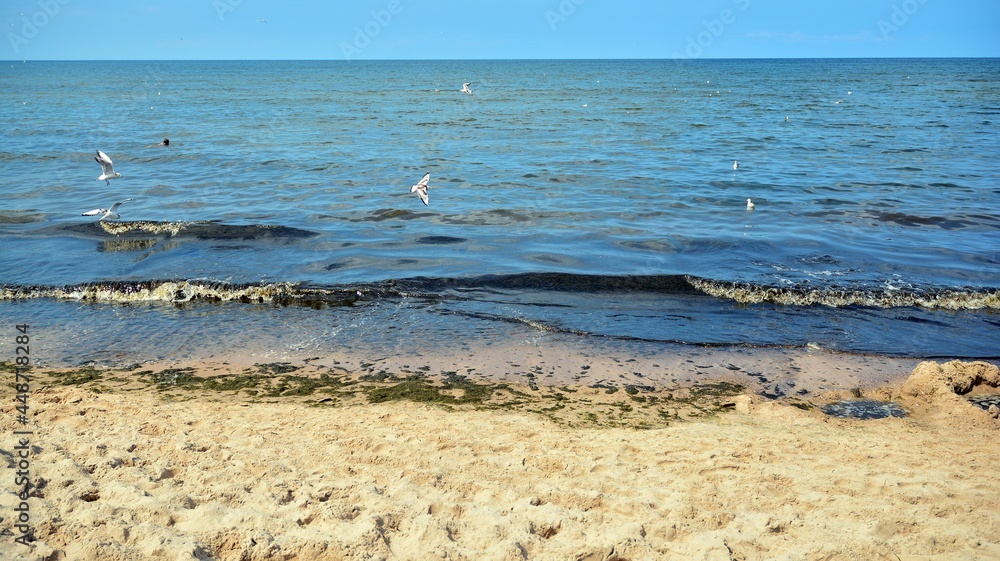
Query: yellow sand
pixel 131 476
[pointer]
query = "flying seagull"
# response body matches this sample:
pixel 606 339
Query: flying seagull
pixel 109 171
pixel 750 205
pixel 421 188
pixel 466 89
pixel 107 213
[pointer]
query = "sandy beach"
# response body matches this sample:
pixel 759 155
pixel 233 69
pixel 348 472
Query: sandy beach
pixel 311 462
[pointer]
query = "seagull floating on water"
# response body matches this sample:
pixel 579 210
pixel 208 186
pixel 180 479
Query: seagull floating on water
pixel 466 89
pixel 109 171
pixel 421 188
pixel 736 164
pixel 107 213
pixel 750 205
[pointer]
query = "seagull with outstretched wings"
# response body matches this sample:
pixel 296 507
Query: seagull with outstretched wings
pixel 107 213
pixel 421 188
pixel 106 167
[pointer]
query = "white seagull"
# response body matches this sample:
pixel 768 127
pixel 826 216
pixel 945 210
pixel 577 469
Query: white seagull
pixel 109 171
pixel 736 164
pixel 421 188
pixel 466 89
pixel 107 213
pixel 750 205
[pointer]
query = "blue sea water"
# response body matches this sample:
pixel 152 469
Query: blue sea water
pixel 592 199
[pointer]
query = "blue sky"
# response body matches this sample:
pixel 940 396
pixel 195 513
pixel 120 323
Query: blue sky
pixel 489 29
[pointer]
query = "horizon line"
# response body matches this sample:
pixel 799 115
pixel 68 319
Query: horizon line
pixel 669 59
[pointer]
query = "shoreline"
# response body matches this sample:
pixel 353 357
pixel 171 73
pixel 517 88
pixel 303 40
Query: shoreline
pixel 768 371
pixel 199 470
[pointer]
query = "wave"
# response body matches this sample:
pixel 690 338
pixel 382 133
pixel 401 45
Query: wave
pixel 173 291
pixel 19 217
pixel 945 299
pixel 943 222
pixel 437 288
pixel 206 230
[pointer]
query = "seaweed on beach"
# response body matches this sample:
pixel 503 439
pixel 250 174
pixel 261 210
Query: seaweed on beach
pixel 380 376
pixel 76 377
pixel 276 368
pixel 717 389
pixel 173 377
pixel 259 383
pixel 232 382
pixel 608 388
pixel 301 385
pixel 10 368
pixel 700 400
pixel 602 404
pixel 420 390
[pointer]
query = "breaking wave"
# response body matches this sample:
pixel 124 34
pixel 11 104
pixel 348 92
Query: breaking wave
pixel 945 299
pixel 433 288
pixel 203 230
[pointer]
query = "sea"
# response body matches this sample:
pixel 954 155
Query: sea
pixel 589 204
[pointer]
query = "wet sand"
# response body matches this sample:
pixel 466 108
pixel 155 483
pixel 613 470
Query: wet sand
pixel 322 459
pixel 768 371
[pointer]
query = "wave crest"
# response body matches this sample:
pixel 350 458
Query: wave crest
pixel 177 291
pixel 293 294
pixel 948 299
